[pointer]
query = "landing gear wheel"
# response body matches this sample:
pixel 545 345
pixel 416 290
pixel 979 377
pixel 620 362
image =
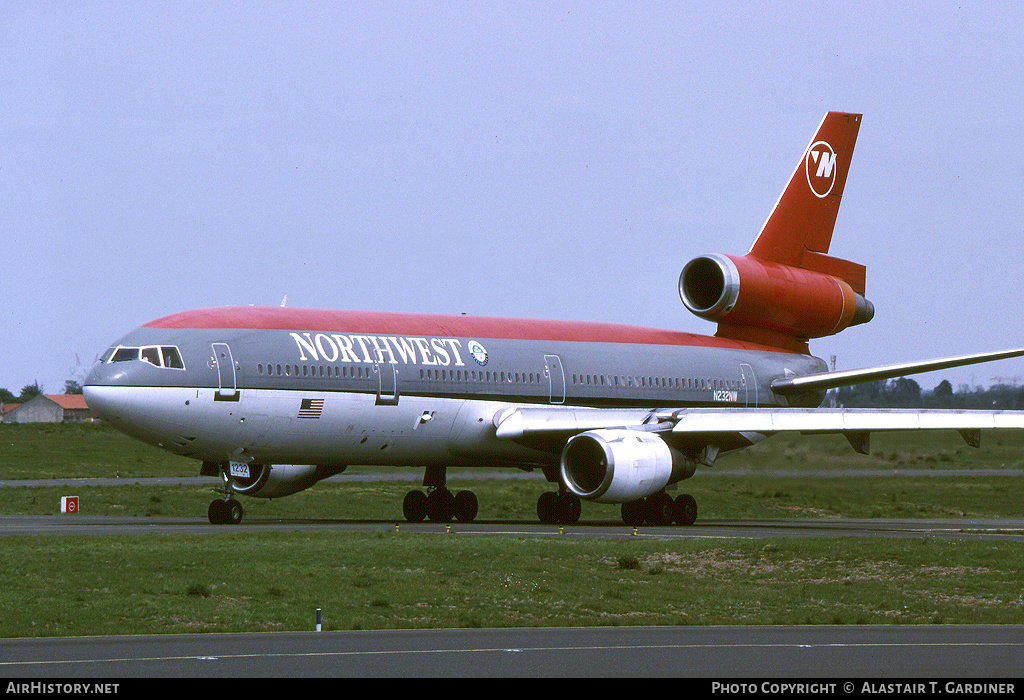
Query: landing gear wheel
pixel 569 508
pixel 559 508
pixel 684 509
pixel 414 507
pixel 547 508
pixel 223 512
pixel 659 509
pixel 466 506
pixel 633 512
pixel 234 512
pixel 217 512
pixel 440 506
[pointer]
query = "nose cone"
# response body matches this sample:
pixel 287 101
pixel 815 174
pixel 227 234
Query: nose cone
pixel 143 401
pixel 115 398
pixel 94 399
pixel 104 391
pixel 105 402
pixel 92 389
pixel 96 375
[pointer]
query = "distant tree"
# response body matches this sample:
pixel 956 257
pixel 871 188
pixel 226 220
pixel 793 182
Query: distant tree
pixel 7 397
pixel 905 393
pixel 865 395
pixel 897 393
pixel 1004 396
pixel 72 387
pixel 29 391
pixel 942 396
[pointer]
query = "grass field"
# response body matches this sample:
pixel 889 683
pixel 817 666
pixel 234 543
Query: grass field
pixel 235 581
pixel 55 450
pixel 247 582
pixel 787 476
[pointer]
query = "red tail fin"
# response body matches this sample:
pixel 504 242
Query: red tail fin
pixel 787 289
pixel 799 230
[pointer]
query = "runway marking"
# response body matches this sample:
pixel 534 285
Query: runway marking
pixel 488 650
pixel 718 530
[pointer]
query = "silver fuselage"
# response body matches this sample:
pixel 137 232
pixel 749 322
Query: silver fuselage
pixel 255 385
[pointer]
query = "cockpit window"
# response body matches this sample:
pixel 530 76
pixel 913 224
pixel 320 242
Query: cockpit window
pixel 156 355
pixel 172 358
pixel 125 354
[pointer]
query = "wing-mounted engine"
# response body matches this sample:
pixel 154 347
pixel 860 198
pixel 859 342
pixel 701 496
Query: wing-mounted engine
pixel 274 480
pixel 620 465
pixel 768 302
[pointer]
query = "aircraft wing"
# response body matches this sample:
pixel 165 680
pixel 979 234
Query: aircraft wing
pixel 519 423
pixel 854 423
pixel 516 423
pixel 838 420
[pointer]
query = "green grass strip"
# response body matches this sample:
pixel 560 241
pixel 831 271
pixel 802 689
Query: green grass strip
pixel 245 582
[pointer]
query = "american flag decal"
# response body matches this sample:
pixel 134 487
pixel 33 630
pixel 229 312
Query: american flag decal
pixel 311 408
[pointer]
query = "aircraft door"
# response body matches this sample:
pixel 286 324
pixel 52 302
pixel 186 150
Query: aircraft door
pixel 227 386
pixel 387 383
pixel 748 385
pixel 556 378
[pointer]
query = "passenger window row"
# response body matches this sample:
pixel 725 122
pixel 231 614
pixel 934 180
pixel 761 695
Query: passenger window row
pixel 458 375
pixel 361 372
pixel 654 382
pixel 272 370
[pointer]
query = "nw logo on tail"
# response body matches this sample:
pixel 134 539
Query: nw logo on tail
pixel 820 165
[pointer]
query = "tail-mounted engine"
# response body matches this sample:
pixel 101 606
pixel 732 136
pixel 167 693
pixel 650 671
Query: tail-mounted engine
pixel 769 302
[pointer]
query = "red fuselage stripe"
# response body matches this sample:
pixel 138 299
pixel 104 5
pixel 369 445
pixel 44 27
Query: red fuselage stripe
pixel 484 327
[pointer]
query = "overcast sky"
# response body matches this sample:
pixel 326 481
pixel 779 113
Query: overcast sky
pixel 550 159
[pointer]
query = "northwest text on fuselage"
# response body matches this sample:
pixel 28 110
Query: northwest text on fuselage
pixel 338 347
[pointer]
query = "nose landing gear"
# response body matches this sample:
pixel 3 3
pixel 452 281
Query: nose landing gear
pixel 227 510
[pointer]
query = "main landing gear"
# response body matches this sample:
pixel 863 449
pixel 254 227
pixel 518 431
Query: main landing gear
pixel 559 508
pixel 438 503
pixel 660 509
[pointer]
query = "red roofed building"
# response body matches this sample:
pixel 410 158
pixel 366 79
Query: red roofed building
pixel 49 408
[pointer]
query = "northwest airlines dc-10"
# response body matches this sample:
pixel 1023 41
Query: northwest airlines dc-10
pixel 274 399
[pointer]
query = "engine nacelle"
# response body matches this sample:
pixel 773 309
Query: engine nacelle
pixel 619 465
pixel 275 480
pixel 745 292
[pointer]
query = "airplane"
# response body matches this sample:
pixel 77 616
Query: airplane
pixel 275 399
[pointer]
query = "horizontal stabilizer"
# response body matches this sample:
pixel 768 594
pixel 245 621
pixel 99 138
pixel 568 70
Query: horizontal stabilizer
pixel 831 380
